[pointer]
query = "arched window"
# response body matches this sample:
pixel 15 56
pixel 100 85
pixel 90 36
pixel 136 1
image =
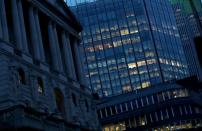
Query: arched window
pixel 21 76
pixel 74 99
pixel 86 104
pixel 40 86
pixel 59 98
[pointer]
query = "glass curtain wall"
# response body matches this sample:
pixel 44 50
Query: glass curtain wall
pixel 188 14
pixel 129 44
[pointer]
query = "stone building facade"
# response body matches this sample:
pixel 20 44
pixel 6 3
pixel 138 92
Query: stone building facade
pixel 41 82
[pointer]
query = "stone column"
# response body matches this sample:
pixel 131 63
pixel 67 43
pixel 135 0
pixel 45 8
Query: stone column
pixel 33 30
pixel 4 21
pixel 1 29
pixel 78 62
pixel 40 42
pixel 69 63
pixel 60 63
pixel 16 24
pixel 22 26
pixel 51 36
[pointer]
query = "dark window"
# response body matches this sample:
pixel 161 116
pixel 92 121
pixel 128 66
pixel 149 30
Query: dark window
pixel 157 116
pixel 59 98
pixel 155 98
pixel 170 112
pixel 189 110
pixel 113 110
pixel 108 111
pixel 153 116
pixel 183 110
pixel 160 97
pixel 150 100
pixel 176 110
pixel 144 100
pixel 198 47
pixel 21 76
pixel 139 103
pixel 123 107
pixel 103 113
pixel 40 87
pixel 134 104
pixel 165 114
pixel 98 113
pixel 148 118
pixel 160 115
pixel 129 106
pixel 86 104
pixel 118 108
pixel 138 122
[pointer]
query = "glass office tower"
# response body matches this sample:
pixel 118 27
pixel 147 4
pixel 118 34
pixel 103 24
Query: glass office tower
pixel 188 15
pixel 129 44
